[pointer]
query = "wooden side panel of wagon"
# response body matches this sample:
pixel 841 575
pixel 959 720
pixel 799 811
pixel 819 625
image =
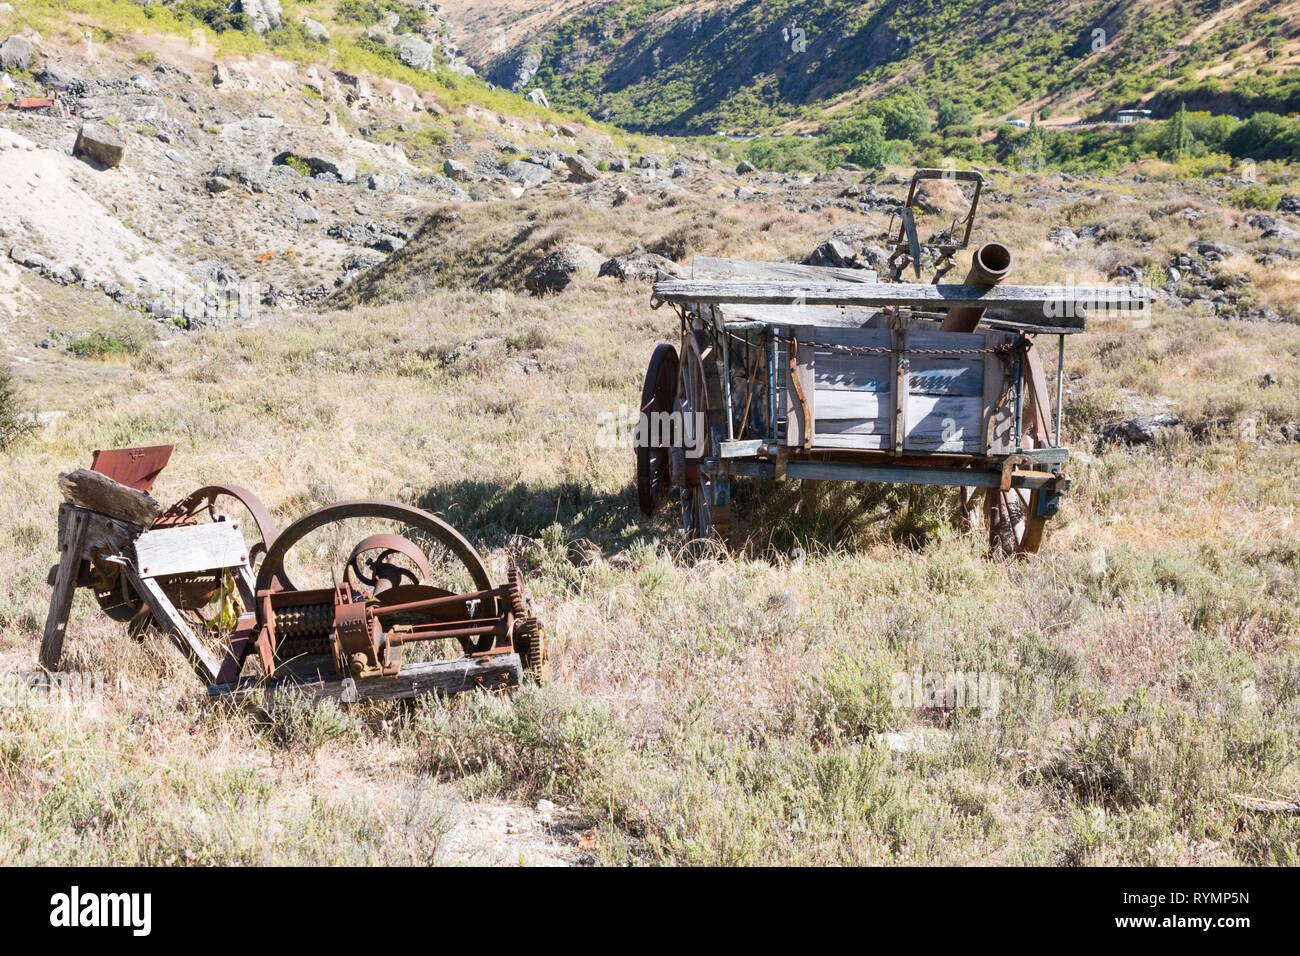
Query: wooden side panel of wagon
pixel 953 390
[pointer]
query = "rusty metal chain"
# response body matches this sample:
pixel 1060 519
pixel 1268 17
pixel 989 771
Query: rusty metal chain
pixel 1005 349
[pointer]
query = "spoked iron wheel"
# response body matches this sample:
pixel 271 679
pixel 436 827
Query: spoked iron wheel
pixel 653 457
pixel 446 562
pixel 704 508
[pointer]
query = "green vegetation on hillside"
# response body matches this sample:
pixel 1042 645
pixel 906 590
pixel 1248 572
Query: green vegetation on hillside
pixel 1196 137
pixel 647 64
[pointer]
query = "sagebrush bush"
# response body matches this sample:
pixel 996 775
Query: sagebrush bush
pixel 13 422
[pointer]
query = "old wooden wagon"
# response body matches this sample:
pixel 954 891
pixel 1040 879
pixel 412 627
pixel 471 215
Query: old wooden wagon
pixel 831 374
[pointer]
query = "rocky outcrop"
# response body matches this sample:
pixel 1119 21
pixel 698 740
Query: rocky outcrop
pixel 315 29
pixel 527 174
pixel 581 169
pixel 559 268
pixel 638 267
pixel 101 143
pixel 833 252
pixel 456 171
pixel 1064 237
pixel 414 51
pixel 16 54
pixel 263 15
pixel 1143 430
pixel 516 72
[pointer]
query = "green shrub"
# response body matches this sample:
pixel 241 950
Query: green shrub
pixel 215 14
pixel 953 113
pixel 12 422
pixel 118 342
pixel 865 138
pixel 1256 197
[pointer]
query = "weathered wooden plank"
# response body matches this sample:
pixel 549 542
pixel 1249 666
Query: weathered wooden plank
pixel 178 629
pixel 65 583
pixel 851 441
pixel 246 584
pixel 1060 308
pixel 842 403
pixel 183 550
pixel 922 339
pixel 864 434
pixel 95 492
pixel 709 267
pixel 431 677
pixel 944 423
pixel 102 532
pixel 938 375
pixel 851 373
pixel 798 315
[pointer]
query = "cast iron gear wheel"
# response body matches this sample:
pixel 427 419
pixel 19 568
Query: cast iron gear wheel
pixel 521 599
pixel 530 643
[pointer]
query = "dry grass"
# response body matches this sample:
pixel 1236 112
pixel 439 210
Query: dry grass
pixel 725 709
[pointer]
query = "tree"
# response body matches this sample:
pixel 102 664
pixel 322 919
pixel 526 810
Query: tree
pixel 905 115
pixel 1180 140
pixel 865 137
pixel 953 113
pixel 12 422
pixel 1265 136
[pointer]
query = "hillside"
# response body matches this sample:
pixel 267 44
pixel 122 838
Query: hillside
pixel 751 66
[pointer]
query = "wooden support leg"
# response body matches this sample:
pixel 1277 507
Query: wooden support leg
pixel 241 643
pixel 244 581
pixel 809 488
pixel 200 658
pixel 65 583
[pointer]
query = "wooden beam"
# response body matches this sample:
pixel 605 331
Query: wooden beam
pixel 199 657
pixel 65 584
pixel 429 677
pixel 1060 308
pixel 709 267
pixel 95 492
pixel 102 532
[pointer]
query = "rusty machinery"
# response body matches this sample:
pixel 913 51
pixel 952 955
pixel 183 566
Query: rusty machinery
pixel 386 596
pixel 360 626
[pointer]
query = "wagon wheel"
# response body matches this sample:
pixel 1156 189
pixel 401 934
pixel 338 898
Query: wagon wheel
pixel 1012 523
pixel 452 560
pixel 654 462
pixel 699 400
pixel 1012 516
pixel 373 565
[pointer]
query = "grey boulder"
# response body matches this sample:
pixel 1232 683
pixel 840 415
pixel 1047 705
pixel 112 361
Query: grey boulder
pixel 526 174
pixel 101 143
pixel 15 54
pixel 559 268
pixel 581 169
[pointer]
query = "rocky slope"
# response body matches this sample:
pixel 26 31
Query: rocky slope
pixel 154 181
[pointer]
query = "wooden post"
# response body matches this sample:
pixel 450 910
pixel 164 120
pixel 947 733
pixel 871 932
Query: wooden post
pixel 201 659
pixel 65 583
